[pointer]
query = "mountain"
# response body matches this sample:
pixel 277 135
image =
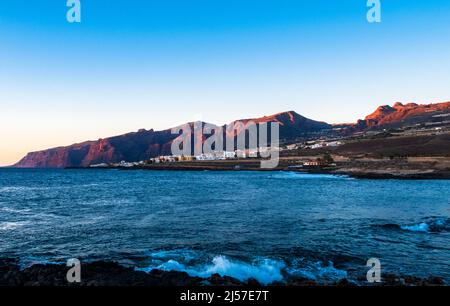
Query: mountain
pixel 404 114
pixel 130 147
pixel 292 125
pixel 145 144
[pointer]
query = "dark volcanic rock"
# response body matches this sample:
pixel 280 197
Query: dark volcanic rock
pixel 216 279
pixel 102 273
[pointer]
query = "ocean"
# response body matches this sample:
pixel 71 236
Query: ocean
pixel 264 225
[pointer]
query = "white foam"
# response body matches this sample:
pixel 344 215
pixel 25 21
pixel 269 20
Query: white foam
pixel 265 271
pixel 5 226
pixel 421 227
pixel 185 255
pixel 298 175
pixel 12 210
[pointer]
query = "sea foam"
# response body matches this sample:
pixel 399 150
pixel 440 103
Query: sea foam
pixel 430 225
pixel 286 175
pixel 265 271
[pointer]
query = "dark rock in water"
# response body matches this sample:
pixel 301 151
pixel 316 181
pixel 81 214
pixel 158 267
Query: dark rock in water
pixel 433 281
pixel 216 279
pixel 394 280
pixel 10 273
pixel 344 283
pixel 300 281
pixel 390 226
pixel 105 273
pixel 174 278
pixel 252 282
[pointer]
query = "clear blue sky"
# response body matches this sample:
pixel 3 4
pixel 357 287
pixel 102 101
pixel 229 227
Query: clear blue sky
pixel 154 64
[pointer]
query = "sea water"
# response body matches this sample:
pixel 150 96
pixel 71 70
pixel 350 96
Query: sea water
pixel 264 225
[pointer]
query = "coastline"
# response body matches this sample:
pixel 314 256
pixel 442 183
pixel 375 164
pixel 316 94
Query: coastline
pixel 344 170
pixel 111 274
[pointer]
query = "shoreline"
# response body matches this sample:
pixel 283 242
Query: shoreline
pixel 111 274
pixel 375 174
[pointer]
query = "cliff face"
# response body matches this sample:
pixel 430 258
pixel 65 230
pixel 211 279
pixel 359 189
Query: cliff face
pixel 385 115
pixel 130 147
pixel 145 144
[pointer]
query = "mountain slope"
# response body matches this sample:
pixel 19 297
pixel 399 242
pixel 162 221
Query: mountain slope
pixel 130 147
pixel 145 144
pixel 406 114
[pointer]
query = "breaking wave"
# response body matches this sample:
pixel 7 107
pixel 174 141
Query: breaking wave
pixel 265 270
pixel 428 225
pixel 7 226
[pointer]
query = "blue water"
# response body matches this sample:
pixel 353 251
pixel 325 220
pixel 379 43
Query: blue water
pixel 267 225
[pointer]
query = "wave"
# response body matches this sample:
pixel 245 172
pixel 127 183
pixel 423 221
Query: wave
pixel 421 227
pixel 428 225
pixel 317 271
pixel 286 175
pixel 13 210
pixel 14 189
pixel 184 255
pixel 265 271
pixel 6 226
pixel 36 260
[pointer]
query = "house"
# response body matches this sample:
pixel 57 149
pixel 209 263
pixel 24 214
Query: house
pixel 241 154
pixel 314 163
pixel 185 158
pixel 229 154
pixel 126 164
pixel 292 147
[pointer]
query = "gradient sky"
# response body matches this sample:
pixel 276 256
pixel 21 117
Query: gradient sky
pixel 155 64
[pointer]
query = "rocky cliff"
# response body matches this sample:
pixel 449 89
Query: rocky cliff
pixel 145 144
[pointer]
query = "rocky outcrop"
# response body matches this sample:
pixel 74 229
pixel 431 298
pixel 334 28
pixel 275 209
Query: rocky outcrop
pixel 129 147
pixel 385 115
pixel 107 273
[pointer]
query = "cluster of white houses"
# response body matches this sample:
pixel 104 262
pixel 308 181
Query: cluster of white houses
pixel 223 155
pixel 314 145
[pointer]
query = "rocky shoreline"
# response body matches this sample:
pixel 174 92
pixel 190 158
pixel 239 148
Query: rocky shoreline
pixel 107 273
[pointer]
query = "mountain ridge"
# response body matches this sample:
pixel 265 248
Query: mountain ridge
pixel 143 144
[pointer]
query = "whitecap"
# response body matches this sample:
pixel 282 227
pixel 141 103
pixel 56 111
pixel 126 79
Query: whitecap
pixel 432 225
pixel 303 176
pixel 13 210
pixel 6 226
pixel 184 255
pixel 421 227
pixel 265 271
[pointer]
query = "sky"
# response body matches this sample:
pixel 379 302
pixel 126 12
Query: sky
pixel 156 64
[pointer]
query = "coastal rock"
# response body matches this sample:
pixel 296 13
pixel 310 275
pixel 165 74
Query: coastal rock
pixel 216 279
pixel 105 273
